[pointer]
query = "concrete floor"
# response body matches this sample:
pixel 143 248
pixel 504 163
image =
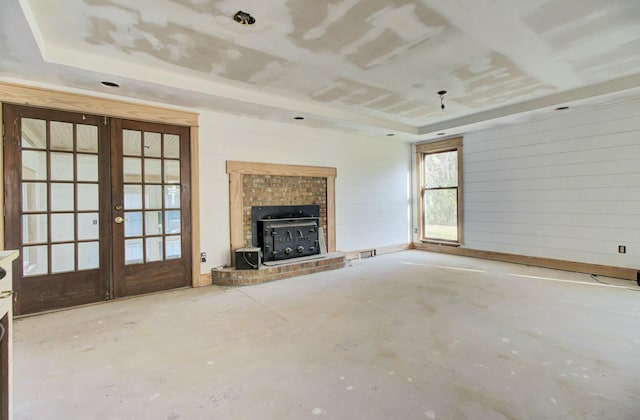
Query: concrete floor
pixel 410 335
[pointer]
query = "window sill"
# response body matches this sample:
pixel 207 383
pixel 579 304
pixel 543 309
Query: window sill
pixel 437 242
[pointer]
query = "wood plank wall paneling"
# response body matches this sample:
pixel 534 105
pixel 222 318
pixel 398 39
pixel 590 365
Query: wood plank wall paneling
pixel 566 187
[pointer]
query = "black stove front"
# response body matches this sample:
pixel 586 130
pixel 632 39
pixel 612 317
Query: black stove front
pixel 284 232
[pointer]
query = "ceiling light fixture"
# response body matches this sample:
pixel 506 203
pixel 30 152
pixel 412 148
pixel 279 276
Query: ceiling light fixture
pixel 244 18
pixel 110 84
pixel 441 94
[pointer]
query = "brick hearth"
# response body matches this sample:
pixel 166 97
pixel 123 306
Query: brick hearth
pixel 233 277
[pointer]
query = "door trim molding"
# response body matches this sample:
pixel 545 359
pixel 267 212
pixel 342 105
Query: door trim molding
pixel 65 101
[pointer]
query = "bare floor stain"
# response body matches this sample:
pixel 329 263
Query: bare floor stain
pixel 356 343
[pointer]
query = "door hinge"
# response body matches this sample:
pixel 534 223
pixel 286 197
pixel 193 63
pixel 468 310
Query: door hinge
pixel 105 120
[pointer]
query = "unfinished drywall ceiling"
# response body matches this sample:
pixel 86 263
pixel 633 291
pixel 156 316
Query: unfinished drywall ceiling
pixel 373 65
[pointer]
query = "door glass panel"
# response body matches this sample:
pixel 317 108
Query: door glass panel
pixel 172 171
pixel 61 135
pixel 132 170
pixel 61 197
pixel 173 221
pixel 34 165
pixel 88 255
pixel 153 222
pixel 132 145
pixel 88 197
pixel 133 223
pixel 34 228
pixel 171 146
pixel 87 167
pixel 153 171
pixel 152 145
pixel 133 197
pixel 154 249
pixel 133 251
pixel 34 196
pixel 34 260
pixel 34 133
pixel 87 138
pixel 172 196
pixel 62 258
pixel 62 227
pixel 88 226
pixel 62 166
pixel 174 249
pixel 153 197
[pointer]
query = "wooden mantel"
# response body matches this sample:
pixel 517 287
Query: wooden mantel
pixel 236 170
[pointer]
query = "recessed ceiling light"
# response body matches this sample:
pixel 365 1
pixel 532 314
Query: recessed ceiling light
pixel 562 108
pixel 298 118
pixel 109 84
pixel 441 134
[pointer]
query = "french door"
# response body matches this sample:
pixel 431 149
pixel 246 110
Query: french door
pixel 98 207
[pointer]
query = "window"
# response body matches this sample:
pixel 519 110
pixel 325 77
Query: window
pixel 440 181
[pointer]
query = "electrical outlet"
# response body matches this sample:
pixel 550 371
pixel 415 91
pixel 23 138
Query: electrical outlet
pixel 622 249
pixel 203 257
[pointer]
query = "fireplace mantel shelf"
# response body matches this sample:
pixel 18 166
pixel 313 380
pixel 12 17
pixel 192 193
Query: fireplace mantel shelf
pixel 233 277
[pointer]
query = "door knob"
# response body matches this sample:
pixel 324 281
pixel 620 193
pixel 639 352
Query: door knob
pixel 119 219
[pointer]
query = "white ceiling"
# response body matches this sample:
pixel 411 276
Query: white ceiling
pixel 367 66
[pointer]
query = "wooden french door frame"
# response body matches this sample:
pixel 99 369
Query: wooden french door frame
pixel 46 98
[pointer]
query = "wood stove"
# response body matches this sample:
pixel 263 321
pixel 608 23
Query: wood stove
pixel 283 232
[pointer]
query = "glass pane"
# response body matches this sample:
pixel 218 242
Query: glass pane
pixel 62 197
pixel 172 196
pixel 34 260
pixel 172 171
pixel 62 166
pixel 133 223
pixel 133 197
pixel 173 221
pixel 62 227
pixel 88 255
pixel 88 226
pixel 34 196
pixel 34 133
pixel 61 135
pixel 153 222
pixel 131 142
pixel 441 169
pixel 63 258
pixel 154 249
pixel 133 251
pixel 153 196
pixel 87 138
pixel 174 249
pixel 34 165
pixel 88 197
pixel 87 167
pixel 132 169
pixel 441 214
pixel 34 228
pixel 152 144
pixel 153 171
pixel 171 146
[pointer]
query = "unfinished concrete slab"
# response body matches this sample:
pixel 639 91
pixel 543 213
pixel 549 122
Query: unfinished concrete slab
pixel 410 335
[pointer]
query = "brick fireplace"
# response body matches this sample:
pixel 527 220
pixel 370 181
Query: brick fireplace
pixel 263 184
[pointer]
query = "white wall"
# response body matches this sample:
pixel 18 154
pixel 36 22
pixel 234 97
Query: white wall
pixel 372 204
pixel 566 187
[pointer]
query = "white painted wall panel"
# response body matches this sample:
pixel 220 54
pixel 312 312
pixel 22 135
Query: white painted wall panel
pixel 372 204
pixel 567 187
